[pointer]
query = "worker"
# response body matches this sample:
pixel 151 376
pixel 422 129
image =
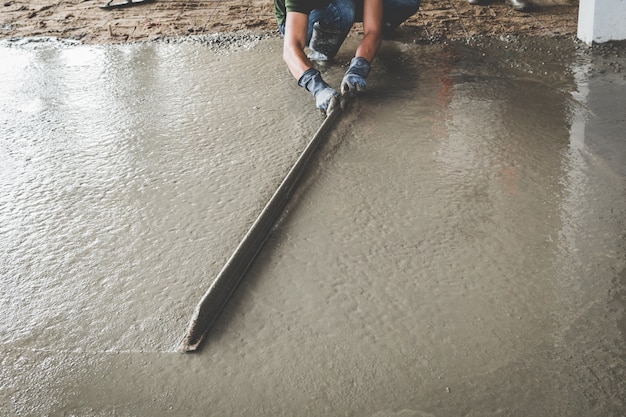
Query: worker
pixel 322 26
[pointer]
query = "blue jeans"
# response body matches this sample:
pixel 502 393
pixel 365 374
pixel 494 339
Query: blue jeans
pixel 341 14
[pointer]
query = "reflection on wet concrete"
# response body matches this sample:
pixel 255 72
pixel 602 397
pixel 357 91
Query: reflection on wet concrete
pixel 457 247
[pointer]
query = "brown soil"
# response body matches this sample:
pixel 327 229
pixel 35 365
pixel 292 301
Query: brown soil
pixel 86 21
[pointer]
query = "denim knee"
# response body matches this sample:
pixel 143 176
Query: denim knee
pixel 397 11
pixel 338 15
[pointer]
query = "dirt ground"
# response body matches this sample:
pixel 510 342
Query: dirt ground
pixel 86 21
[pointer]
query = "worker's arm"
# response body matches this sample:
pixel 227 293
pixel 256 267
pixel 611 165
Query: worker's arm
pixel 372 29
pixel 296 24
pixel 354 79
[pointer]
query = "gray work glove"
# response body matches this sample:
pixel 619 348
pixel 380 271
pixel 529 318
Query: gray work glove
pixel 354 80
pixel 326 98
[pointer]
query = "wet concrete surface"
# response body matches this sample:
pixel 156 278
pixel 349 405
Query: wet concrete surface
pixel 456 247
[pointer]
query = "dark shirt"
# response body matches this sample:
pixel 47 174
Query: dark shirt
pixel 281 7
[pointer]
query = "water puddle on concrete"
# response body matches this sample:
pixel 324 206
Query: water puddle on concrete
pixel 455 248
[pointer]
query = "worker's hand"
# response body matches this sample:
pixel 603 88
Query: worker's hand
pixel 354 80
pixel 326 98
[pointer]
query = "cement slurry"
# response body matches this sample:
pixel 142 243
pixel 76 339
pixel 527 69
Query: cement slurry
pixel 457 246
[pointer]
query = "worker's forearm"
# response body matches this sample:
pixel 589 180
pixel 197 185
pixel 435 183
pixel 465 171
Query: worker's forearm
pixel 296 60
pixel 369 46
pixel 294 43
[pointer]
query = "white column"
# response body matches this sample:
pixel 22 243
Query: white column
pixel 601 20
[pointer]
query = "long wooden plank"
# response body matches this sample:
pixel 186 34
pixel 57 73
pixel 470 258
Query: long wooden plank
pixel 231 274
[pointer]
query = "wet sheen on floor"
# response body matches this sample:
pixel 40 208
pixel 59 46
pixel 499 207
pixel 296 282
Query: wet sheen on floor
pixel 455 248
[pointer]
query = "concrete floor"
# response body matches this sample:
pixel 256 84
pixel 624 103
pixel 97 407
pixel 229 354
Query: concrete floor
pixel 455 248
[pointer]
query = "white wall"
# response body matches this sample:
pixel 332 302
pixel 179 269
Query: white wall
pixel 601 20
